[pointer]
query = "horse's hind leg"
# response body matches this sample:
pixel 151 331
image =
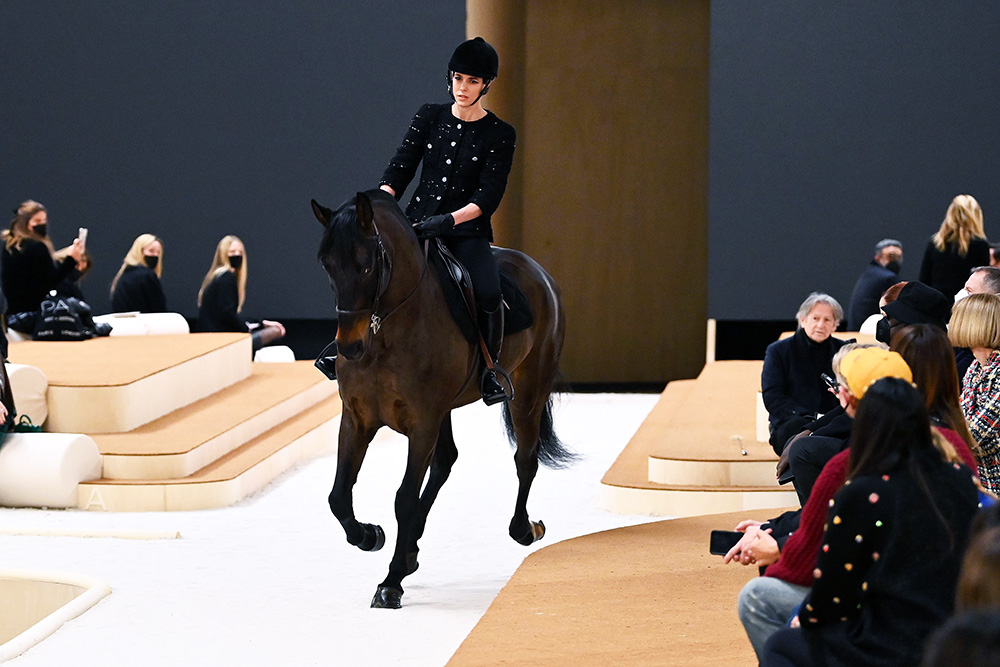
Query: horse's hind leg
pixel 445 455
pixel 351 450
pixel 526 417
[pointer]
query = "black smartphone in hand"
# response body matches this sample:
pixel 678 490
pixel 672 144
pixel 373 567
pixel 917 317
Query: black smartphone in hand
pixel 721 541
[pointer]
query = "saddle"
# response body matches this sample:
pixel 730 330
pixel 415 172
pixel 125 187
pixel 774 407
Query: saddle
pixel 459 295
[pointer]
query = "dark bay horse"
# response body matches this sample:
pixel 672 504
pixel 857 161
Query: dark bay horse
pixel 405 364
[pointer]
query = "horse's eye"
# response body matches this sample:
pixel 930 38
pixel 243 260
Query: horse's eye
pixel 368 269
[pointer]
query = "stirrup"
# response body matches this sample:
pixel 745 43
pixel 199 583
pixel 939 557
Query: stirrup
pixel 490 388
pixel 327 362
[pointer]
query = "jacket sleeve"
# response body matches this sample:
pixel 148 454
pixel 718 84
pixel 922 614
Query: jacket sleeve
pixel 155 299
pixel 493 177
pixel 774 384
pixel 43 271
pixel 981 405
pixel 229 301
pixel 856 530
pixel 403 166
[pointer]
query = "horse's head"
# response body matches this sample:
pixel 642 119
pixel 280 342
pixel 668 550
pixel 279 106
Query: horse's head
pixel 355 259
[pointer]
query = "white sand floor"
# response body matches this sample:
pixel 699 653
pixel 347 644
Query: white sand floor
pixel 272 581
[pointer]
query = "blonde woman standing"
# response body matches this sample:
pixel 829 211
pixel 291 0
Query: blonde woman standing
pixel 958 247
pixel 222 293
pixel 136 287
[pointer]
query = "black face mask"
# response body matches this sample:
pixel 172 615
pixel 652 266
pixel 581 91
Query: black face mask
pixel 151 261
pixel 883 331
pixel 236 261
pixel 894 266
pixel 41 230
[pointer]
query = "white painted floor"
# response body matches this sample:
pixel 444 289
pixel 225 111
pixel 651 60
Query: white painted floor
pixel 272 581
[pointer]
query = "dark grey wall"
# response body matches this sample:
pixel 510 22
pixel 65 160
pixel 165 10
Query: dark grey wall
pixel 833 125
pixel 192 120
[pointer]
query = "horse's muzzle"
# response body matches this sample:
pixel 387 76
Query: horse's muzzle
pixel 351 336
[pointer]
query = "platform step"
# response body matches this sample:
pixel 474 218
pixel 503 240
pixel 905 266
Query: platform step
pixel 229 479
pixel 192 437
pixel 682 501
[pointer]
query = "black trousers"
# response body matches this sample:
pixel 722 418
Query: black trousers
pixel 475 254
pixel 807 458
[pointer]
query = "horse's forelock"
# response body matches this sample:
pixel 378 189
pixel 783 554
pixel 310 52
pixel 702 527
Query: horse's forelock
pixel 334 238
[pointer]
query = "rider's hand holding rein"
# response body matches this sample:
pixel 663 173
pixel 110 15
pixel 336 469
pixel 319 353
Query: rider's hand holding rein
pixel 434 226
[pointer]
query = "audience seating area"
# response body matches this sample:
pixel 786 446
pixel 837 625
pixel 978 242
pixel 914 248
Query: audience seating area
pixel 164 422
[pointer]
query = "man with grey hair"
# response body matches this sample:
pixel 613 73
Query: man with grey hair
pixel 880 274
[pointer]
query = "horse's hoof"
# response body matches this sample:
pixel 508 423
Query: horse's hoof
pixel 411 563
pixel 536 531
pixel 387 598
pixel 374 538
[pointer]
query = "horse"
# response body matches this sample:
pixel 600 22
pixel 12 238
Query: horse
pixel 404 363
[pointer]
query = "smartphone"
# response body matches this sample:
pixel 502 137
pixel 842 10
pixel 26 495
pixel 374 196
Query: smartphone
pixel 721 541
pixel 786 477
pixel 830 382
pixel 82 235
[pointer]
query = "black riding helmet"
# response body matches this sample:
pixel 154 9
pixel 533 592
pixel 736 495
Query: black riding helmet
pixel 475 57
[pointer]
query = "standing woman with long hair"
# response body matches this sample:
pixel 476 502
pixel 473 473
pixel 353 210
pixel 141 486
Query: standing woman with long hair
pixel 29 270
pixel 975 324
pixel 222 293
pixel 958 247
pixel 887 570
pixel 136 286
pixel 466 152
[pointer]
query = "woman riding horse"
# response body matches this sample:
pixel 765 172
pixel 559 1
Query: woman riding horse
pixel 466 153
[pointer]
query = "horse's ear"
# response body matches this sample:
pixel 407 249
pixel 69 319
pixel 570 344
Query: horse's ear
pixel 366 217
pixel 322 213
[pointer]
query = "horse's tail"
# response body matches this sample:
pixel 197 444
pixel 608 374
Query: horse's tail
pixel 552 452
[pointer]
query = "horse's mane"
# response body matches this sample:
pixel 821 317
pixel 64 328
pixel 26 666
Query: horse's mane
pixel 346 217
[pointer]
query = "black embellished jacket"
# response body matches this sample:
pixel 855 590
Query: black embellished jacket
pixel 463 162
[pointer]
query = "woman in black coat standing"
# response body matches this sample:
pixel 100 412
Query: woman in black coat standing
pixel 466 152
pixel 959 246
pixel 136 287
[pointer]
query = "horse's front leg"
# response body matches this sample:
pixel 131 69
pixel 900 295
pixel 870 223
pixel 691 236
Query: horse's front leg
pixel 351 450
pixel 527 429
pixel 390 592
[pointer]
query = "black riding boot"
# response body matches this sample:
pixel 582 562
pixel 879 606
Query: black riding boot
pixel 491 324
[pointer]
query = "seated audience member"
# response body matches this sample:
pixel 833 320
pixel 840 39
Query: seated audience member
pixel 886 572
pixel 880 274
pixel 136 287
pixel 223 291
pixel 915 303
pixel 982 280
pixel 995 254
pixel 807 453
pixel 975 324
pixel 979 582
pixel 970 639
pixel 793 391
pixel 29 271
pixel 788 545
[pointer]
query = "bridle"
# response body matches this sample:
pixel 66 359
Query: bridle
pixel 383 262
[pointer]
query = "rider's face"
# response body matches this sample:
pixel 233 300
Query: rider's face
pixel 466 88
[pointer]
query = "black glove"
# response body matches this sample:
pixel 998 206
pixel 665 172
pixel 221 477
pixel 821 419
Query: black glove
pixel 434 226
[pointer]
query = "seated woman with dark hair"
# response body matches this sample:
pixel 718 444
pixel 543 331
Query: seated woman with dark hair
pixel 793 391
pixel 887 569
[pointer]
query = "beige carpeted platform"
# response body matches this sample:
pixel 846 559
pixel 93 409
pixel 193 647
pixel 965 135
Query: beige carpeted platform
pixel 643 595
pixel 687 456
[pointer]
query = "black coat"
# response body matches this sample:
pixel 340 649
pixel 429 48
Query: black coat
pixel 29 274
pixel 790 381
pixel 947 271
pixel 219 302
pixel 872 283
pixel 463 162
pixel 139 289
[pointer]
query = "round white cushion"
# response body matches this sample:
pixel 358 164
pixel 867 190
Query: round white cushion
pixel 274 354
pixel 44 469
pixel 29 387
